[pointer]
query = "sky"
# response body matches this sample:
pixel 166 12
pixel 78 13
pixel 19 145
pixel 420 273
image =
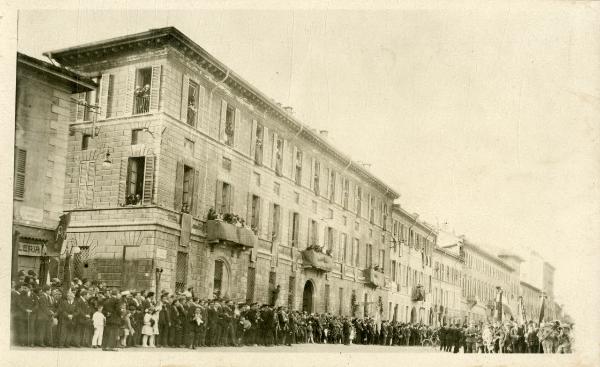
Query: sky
pixel 482 118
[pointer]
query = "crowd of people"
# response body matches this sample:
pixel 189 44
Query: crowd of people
pixel 507 337
pixel 88 314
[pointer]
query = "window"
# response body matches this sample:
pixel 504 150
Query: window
pixel 276 220
pixel 358 200
pixel 329 238
pixel 316 177
pixel 224 197
pixel 136 136
pixel 313 233
pixel 143 81
pixel 298 168
pixel 192 103
pixel 393 270
pixel 83 112
pixel 189 146
pixel 229 126
pixel 279 156
pixel 291 292
pixel 250 284
pixel 85 141
pixel 255 214
pixel 371 209
pixel 381 258
pixel 346 193
pixel 181 271
pixel 219 278
pixel 258 148
pixel 188 188
pixel 332 176
pixel 344 248
pixel 385 216
pixel 20 165
pixel 369 255
pixel 135 180
pixel 226 164
pixel 295 228
pixel 355 251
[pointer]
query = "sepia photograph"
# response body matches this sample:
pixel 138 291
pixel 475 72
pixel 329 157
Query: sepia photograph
pixel 391 181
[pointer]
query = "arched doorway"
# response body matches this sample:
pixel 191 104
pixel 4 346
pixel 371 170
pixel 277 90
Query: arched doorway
pixel 413 315
pixel 307 297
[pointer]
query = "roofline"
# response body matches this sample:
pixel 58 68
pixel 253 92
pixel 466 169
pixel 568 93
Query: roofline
pixel 68 76
pixel 444 251
pixel 399 209
pixel 530 285
pixel 487 254
pixel 517 257
pixel 186 41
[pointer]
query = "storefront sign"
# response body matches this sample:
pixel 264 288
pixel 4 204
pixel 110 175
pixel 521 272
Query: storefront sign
pixel 30 249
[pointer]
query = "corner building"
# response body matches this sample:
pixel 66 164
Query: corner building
pixel 177 134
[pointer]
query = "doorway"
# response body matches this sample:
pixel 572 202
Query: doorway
pixel 307 297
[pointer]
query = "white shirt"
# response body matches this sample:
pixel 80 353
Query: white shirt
pixel 99 319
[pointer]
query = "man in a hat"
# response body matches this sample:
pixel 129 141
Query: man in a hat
pixel 44 313
pixel 83 322
pixel 164 321
pixel 470 336
pixel 67 316
pixel 111 310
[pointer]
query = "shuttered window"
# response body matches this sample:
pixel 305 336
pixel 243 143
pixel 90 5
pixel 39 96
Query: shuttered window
pixel 20 165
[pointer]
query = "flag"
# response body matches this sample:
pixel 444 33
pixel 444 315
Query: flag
pixel 499 304
pixel 542 309
pixel 61 231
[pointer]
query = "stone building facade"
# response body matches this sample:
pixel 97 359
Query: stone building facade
pixel 410 297
pixel 179 135
pixel 448 303
pixel 43 104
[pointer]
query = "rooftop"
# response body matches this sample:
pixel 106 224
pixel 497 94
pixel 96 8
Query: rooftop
pixel 77 82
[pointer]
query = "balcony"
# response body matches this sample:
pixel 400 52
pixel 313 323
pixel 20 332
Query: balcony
pixel 222 232
pixel 418 293
pixel 374 277
pixel 142 103
pixel 317 260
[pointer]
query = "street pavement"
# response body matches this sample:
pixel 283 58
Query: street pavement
pixel 296 348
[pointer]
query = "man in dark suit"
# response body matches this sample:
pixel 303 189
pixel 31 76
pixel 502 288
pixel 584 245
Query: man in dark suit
pixel 164 322
pixel 111 310
pixel 44 313
pixel 83 323
pixel 67 315
pixel 26 318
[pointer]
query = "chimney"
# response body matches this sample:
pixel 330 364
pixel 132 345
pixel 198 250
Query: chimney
pixel 324 133
pixel 289 110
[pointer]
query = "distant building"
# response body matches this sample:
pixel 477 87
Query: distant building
pixel 449 305
pixel 43 109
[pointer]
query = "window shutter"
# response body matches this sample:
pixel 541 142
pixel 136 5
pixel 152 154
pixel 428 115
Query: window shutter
pixel 290 227
pixel 249 209
pixel 155 88
pixel 264 224
pixel 201 106
pixel 123 181
pixel 309 233
pixel 129 89
pixel 231 207
pixel 293 165
pixel 196 195
pixel 274 150
pixel 104 88
pixel 253 139
pixel 20 166
pixel 311 181
pixel 178 186
pixel 266 150
pixel 184 97
pixel 270 223
pixel 284 167
pixel 148 189
pixel 223 119
pixel 325 186
pixel 236 129
pixel 218 196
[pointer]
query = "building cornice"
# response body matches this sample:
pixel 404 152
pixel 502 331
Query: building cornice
pixel 488 255
pixel 75 81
